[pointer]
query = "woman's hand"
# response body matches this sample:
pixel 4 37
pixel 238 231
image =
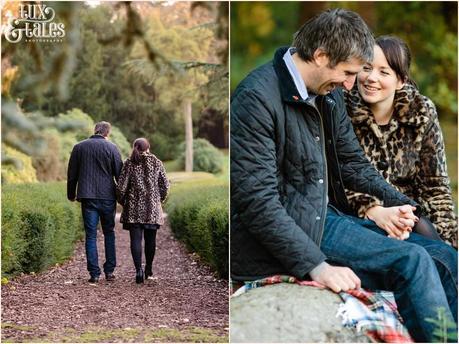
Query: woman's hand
pixel 396 221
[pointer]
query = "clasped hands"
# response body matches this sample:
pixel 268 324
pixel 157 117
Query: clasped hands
pixel 397 221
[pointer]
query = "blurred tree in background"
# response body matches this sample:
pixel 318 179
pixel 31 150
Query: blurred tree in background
pixel 257 29
pixel 181 80
pixel 429 28
pixel 42 83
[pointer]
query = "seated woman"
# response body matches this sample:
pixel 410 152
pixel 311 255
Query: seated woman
pixel 399 131
pixel 142 187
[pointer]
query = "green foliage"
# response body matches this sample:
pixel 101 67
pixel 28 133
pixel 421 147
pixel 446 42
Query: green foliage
pixel 206 157
pixel 190 75
pixel 445 329
pixel 25 131
pixel 451 144
pixel 51 164
pixel 102 88
pixel 116 136
pixel 49 65
pixel 257 29
pixel 120 140
pixel 97 85
pixel 39 227
pixel 165 147
pixel 198 214
pixel 430 29
pixel 214 219
pixel 104 38
pixel 24 173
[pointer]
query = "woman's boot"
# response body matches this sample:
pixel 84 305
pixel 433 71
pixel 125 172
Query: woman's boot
pixel 139 276
pixel 150 248
pixel 148 272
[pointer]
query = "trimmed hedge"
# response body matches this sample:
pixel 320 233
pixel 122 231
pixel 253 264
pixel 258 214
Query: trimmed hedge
pixel 24 174
pixel 206 157
pixel 198 214
pixel 39 227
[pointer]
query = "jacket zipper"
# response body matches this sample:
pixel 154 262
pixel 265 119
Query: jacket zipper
pixel 337 160
pixel 332 187
pixel 325 177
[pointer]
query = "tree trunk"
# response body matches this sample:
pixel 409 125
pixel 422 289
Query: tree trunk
pixel 188 136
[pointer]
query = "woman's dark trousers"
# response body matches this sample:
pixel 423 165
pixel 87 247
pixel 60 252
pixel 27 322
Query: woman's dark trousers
pixel 426 228
pixel 136 232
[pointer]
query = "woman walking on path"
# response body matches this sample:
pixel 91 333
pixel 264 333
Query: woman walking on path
pixel 142 187
pixel 398 129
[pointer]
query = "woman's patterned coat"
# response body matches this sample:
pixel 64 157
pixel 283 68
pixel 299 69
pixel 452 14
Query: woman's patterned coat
pixel 141 189
pixel 409 153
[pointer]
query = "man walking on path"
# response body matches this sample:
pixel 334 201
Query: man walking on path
pixel 94 165
pixel 293 153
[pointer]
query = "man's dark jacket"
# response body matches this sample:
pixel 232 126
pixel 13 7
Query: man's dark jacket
pixel 93 165
pixel 285 159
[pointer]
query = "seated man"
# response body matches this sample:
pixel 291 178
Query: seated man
pixel 293 151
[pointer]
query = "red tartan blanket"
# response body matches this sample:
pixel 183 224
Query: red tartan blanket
pixel 374 312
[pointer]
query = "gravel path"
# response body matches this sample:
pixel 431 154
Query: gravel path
pixel 184 294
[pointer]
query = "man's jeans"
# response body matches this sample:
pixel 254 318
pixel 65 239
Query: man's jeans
pixel 93 209
pixel 421 272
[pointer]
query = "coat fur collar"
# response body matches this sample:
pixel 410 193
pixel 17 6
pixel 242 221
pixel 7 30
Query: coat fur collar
pixel 410 108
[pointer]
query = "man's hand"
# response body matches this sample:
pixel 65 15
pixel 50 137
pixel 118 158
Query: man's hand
pixel 396 221
pixel 407 212
pixel 337 278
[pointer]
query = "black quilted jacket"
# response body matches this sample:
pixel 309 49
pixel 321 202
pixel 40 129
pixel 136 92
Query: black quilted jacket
pixel 286 157
pixel 94 165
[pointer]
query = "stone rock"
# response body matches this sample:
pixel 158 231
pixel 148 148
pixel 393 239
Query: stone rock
pixel 289 313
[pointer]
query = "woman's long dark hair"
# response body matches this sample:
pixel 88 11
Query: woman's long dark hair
pixel 398 56
pixel 139 146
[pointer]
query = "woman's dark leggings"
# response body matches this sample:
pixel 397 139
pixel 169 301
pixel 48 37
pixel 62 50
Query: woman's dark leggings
pixel 136 246
pixel 426 229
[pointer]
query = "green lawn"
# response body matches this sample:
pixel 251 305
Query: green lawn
pixel 173 166
pixel 126 335
pixel 224 174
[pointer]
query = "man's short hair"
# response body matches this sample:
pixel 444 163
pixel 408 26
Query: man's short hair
pixel 340 33
pixel 102 128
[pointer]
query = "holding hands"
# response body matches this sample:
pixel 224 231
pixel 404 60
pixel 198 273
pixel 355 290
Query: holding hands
pixel 396 221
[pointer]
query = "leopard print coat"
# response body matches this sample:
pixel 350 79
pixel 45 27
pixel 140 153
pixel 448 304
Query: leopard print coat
pixel 410 154
pixel 141 189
